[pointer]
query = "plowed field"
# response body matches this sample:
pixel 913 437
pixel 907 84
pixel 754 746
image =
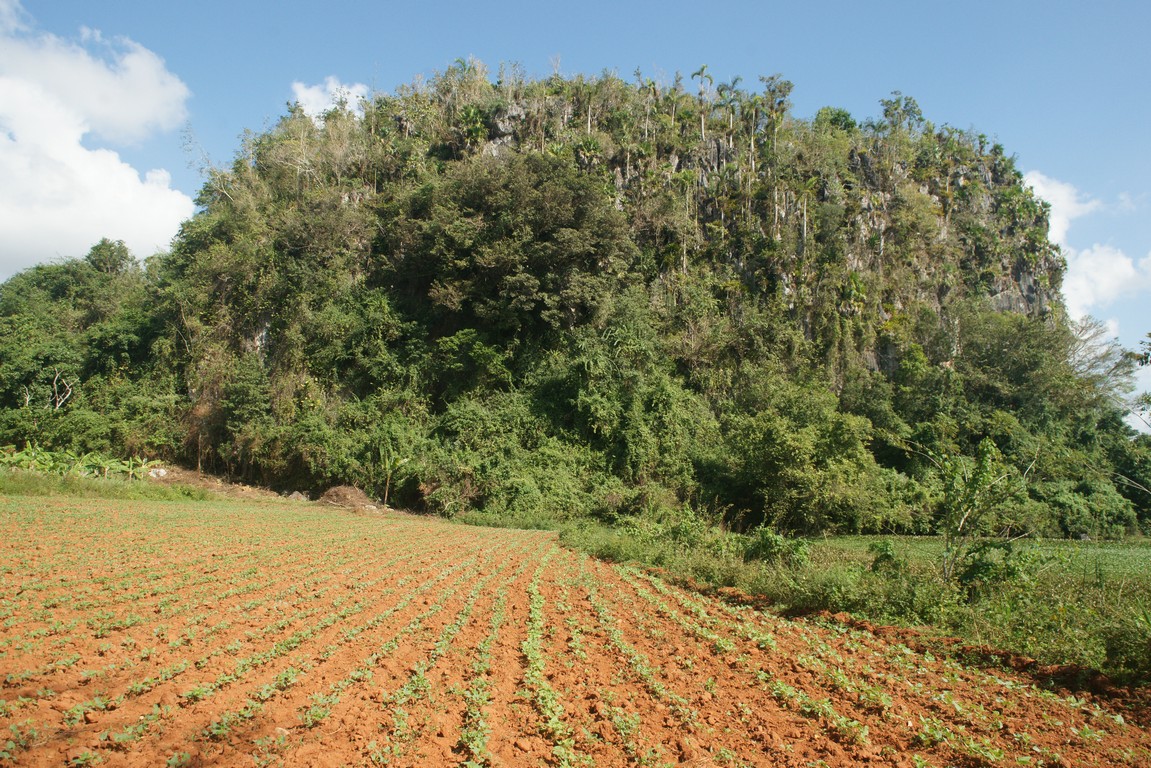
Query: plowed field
pixel 266 633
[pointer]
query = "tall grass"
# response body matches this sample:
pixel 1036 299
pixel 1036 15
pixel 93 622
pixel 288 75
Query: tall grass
pixel 15 482
pixel 1059 602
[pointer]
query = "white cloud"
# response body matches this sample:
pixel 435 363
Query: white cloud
pixel 11 17
pixel 1096 276
pixel 1100 275
pixel 122 90
pixel 318 99
pixel 1066 205
pixel 58 196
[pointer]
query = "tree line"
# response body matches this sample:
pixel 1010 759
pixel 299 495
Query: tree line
pixel 591 297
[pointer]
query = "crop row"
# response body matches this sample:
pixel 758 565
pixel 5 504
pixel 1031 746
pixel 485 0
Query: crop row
pixel 407 642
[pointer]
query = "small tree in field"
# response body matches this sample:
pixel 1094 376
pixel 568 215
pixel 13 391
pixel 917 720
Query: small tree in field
pixel 390 463
pixel 975 492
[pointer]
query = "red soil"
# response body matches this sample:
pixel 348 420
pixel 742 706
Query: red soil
pixel 301 635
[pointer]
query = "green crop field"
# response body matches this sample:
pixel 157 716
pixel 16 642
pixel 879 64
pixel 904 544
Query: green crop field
pixel 1062 602
pixel 1129 559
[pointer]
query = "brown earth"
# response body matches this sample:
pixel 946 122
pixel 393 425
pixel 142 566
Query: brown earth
pixel 275 633
pixel 347 496
pixel 173 475
pixel 339 496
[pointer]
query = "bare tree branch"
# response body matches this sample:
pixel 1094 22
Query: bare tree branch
pixel 60 397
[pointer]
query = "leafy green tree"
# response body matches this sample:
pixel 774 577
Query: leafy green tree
pixel 796 462
pixel 110 257
pixel 975 494
pixel 902 113
pixel 246 409
pixel 525 245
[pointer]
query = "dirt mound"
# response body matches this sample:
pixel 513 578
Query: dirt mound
pixel 347 496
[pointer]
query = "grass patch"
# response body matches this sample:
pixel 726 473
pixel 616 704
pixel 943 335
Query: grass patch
pixel 18 482
pixel 520 521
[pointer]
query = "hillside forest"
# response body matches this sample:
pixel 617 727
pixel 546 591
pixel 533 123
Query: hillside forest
pixel 607 299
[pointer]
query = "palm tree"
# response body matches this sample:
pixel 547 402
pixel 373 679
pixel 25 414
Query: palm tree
pixel 729 98
pixel 702 74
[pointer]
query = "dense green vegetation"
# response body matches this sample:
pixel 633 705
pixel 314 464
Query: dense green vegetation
pixel 581 299
pixel 577 297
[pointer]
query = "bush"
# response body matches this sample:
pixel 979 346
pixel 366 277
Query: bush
pixel 770 547
pixel 1087 508
pixel 494 456
pixel 906 598
pixel 991 564
pixel 838 588
pixel 1128 645
pixel 614 544
pixel 886 560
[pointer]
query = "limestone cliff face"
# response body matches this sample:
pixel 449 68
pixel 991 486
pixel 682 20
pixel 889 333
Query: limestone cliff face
pixel 931 239
pixel 850 227
pixel 857 231
pixel 882 238
pixel 1028 288
pixel 869 222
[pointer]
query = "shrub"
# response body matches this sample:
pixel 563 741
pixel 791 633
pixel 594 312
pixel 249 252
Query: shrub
pixel 765 544
pixel 886 560
pixel 1128 645
pixel 838 588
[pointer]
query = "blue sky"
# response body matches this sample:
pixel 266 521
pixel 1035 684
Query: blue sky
pixel 108 97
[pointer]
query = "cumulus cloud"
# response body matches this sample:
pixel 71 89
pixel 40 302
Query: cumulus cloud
pixel 59 197
pixel 122 90
pixel 1099 275
pixel 315 100
pixel 1096 276
pixel 1066 203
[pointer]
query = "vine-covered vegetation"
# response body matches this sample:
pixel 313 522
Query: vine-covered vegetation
pixel 585 297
